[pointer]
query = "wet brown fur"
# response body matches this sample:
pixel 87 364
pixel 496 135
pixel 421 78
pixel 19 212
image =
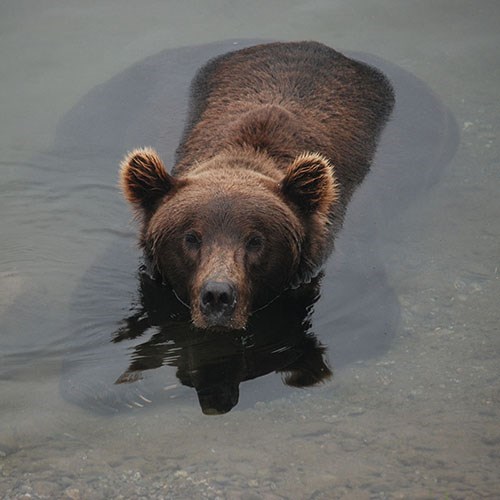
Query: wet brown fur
pixel 278 137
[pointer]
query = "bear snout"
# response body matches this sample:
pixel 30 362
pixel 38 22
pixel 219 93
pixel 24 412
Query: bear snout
pixel 217 302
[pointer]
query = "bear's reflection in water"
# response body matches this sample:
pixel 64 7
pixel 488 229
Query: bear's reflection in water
pixel 277 339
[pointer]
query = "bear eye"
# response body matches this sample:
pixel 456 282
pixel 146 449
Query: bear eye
pixel 255 243
pixel 192 240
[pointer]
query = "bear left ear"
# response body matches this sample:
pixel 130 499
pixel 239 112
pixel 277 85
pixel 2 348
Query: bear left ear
pixel 310 183
pixel 144 179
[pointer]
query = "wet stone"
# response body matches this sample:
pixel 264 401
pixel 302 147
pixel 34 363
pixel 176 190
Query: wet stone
pixel 45 488
pixel 72 494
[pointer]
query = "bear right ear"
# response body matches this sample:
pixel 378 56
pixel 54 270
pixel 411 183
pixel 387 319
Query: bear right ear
pixel 144 179
pixel 310 183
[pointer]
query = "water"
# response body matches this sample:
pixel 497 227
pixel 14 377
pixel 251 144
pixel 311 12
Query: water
pixel 407 312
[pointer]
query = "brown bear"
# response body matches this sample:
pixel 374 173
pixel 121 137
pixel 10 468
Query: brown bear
pixel 278 137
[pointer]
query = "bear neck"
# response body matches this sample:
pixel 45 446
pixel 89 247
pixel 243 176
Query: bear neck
pixel 268 128
pixel 244 158
pixel 264 138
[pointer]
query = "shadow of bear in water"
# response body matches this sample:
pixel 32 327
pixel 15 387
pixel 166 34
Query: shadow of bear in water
pixel 357 314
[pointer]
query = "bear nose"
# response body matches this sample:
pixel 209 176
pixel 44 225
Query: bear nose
pixel 218 300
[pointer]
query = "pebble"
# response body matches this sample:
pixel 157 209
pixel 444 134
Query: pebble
pixel 72 493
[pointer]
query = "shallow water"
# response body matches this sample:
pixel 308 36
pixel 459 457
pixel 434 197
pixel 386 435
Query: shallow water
pixel 408 305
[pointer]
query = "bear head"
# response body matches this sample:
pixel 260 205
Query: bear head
pixel 231 233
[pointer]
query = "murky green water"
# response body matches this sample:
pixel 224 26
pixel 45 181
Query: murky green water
pixel 411 333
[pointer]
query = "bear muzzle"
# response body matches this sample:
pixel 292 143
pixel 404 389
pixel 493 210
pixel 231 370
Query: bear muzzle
pixel 217 303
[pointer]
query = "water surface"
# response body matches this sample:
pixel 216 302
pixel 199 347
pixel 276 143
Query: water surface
pixel 405 316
